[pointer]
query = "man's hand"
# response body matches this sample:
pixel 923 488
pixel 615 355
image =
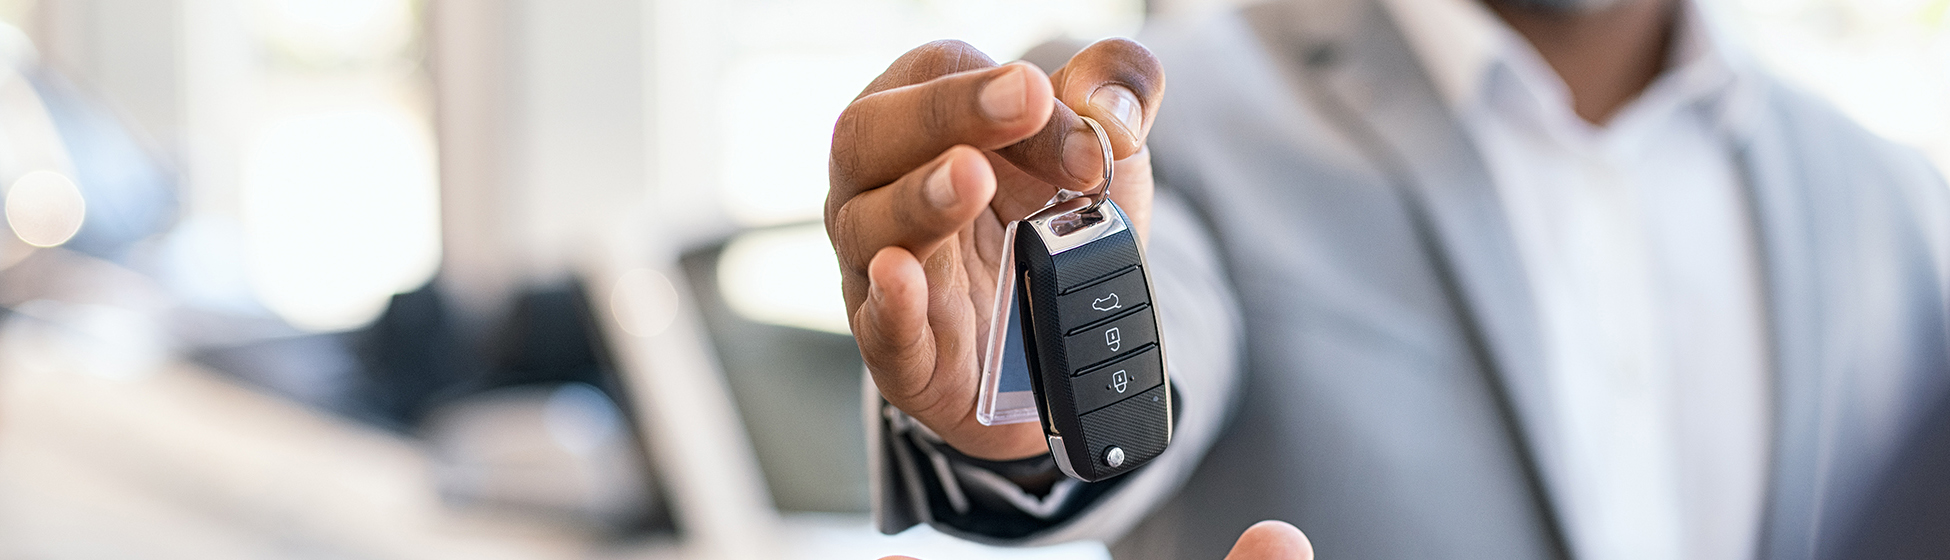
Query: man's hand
pixel 929 164
pixel 1265 540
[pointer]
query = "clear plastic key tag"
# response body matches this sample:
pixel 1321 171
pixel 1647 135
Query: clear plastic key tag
pixel 1006 395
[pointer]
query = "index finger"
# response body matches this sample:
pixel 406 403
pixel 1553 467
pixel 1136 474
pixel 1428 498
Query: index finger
pixel 888 133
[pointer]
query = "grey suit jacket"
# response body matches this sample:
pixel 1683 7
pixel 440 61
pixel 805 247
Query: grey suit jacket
pixel 1355 347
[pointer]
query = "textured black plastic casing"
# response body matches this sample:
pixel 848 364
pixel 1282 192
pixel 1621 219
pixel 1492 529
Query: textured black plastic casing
pixel 1141 424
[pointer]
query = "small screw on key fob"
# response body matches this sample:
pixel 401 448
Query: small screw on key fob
pixel 1091 333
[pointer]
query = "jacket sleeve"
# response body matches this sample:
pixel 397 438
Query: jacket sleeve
pixel 917 479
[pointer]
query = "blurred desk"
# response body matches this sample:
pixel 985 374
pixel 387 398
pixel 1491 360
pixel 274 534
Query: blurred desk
pixel 181 463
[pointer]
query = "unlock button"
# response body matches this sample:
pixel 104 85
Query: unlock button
pixel 1104 341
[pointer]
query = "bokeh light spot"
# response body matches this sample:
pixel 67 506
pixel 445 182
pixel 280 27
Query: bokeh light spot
pixel 45 209
pixel 644 302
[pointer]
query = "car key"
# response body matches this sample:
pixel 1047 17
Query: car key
pixel 1091 334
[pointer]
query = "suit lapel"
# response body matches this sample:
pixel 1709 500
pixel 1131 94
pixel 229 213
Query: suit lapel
pixel 1781 208
pixel 1370 76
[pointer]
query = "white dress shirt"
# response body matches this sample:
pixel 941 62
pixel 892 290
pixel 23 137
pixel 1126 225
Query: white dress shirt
pixel 1641 257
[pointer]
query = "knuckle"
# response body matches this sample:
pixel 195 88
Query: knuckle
pixel 912 214
pixel 845 155
pixel 944 53
pixel 940 113
pixel 935 58
pixel 846 240
pixel 903 374
pixel 941 47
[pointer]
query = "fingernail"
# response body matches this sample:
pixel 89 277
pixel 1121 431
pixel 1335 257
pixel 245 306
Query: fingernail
pixel 1118 101
pixel 940 190
pixel 1083 157
pixel 1002 96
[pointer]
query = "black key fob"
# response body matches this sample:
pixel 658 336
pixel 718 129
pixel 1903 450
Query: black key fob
pixel 1091 334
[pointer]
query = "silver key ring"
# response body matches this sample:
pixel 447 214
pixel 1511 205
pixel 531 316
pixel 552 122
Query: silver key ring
pixel 1059 203
pixel 1103 143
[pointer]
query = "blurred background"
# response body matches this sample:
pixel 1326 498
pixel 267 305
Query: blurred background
pixel 510 278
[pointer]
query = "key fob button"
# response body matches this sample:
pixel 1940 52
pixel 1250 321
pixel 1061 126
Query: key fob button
pixel 1104 341
pixel 1106 385
pixel 1102 300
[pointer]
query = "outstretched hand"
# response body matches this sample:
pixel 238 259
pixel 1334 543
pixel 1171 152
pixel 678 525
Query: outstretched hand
pixel 928 166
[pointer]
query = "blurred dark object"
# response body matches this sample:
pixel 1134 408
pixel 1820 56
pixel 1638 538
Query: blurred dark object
pixel 550 363
pixel 388 374
pixel 532 419
pixel 318 370
pixel 550 337
pixel 798 394
pixel 564 451
pixel 414 357
pixel 1907 514
pixel 131 194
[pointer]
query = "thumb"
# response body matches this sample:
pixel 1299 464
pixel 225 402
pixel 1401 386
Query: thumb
pixel 1272 540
